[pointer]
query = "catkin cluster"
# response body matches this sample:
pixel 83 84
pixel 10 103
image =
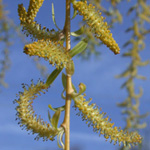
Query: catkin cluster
pixel 102 124
pixel 96 23
pixel 32 28
pixel 25 112
pixel 51 51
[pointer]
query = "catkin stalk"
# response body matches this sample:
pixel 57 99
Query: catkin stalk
pixel 69 90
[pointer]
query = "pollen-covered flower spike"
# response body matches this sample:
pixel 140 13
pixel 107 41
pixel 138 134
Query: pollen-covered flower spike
pixel 96 23
pixel 28 119
pixel 102 124
pixel 34 30
pixel 51 51
pixel 33 8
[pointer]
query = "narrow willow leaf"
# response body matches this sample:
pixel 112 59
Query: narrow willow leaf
pixel 60 140
pixel 74 14
pixel 62 108
pixel 129 29
pixel 53 76
pixel 144 63
pixel 131 9
pixel 143 116
pixel 127 83
pixel 144 17
pixel 137 96
pixel 74 88
pixel 64 82
pixel 49 116
pixel 79 48
pixel 53 17
pixel 140 77
pixel 140 126
pixel 127 43
pixel 55 118
pixel 78 32
pixel 123 104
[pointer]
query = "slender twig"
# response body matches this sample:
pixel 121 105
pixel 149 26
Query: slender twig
pixel 66 122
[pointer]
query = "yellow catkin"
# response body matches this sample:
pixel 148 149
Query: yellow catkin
pixel 33 29
pixel 25 112
pixel 22 13
pixel 51 51
pixel 101 124
pixel 33 8
pixel 97 25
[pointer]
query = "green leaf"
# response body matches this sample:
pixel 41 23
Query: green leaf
pixel 74 14
pixel 53 76
pixel 131 9
pixel 53 17
pixel 49 116
pixel 79 48
pixel 64 82
pixel 62 108
pixel 78 32
pixel 55 119
pixel 60 140
pixel 74 88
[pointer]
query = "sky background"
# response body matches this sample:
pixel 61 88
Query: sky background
pixel 97 74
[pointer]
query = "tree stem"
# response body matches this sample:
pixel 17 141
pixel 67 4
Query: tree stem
pixel 66 122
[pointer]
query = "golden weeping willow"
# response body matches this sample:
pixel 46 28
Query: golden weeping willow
pixel 139 29
pixel 61 57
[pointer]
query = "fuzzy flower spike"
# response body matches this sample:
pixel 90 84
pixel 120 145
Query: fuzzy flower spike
pixel 28 119
pixel 96 23
pixel 32 28
pixel 33 9
pixel 51 51
pixel 101 124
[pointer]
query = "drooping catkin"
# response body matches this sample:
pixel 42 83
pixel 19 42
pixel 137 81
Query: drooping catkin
pixel 25 113
pixel 97 25
pixel 102 124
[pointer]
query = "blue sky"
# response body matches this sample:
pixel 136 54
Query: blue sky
pixel 97 74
